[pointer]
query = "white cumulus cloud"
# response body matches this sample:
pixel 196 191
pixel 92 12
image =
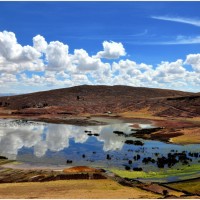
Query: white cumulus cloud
pixel 111 50
pixel 44 66
pixel 9 48
pixel 84 62
pixel 170 68
pixel 39 43
pixel 57 56
pixel 194 61
pixel 14 57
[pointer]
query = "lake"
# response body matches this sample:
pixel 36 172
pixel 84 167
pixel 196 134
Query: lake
pixel 46 144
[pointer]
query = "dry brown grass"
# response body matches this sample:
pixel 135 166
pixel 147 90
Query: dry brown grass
pixel 143 114
pixel 190 136
pixel 192 186
pixel 81 189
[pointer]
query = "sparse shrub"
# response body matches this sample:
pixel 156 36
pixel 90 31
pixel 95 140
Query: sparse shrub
pixel 165 192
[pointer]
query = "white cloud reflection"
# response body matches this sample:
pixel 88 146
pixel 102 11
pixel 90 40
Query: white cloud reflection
pixel 55 137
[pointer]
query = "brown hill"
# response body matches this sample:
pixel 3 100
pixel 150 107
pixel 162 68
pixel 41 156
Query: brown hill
pixel 185 106
pixel 100 99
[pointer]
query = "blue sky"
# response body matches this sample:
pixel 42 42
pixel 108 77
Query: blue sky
pixel 149 44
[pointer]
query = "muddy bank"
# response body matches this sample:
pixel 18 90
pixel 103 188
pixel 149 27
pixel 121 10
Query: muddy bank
pixel 80 120
pixel 179 132
pixel 173 130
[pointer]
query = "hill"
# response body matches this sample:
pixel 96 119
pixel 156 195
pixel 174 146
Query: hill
pixel 6 94
pixel 100 99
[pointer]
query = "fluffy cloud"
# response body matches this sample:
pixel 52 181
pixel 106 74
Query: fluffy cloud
pixel 57 56
pixel 48 79
pixel 50 65
pixel 12 51
pixel 167 68
pixel 169 72
pixel 14 57
pixel 111 50
pixel 39 43
pixel 84 62
pixel 9 48
pixel 7 78
pixel 124 64
pixel 7 66
pixel 80 79
pixel 130 67
pixel 194 61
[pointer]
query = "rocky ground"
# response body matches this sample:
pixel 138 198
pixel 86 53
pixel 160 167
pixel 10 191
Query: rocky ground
pixel 104 99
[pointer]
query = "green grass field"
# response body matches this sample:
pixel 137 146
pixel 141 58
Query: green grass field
pixel 163 175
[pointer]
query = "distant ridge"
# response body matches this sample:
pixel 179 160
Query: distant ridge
pixel 114 89
pixel 7 94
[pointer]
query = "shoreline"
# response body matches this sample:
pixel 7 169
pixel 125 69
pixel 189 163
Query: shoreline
pixel 49 173
pixel 21 178
pixel 176 130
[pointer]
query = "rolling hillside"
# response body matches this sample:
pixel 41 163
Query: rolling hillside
pixel 100 99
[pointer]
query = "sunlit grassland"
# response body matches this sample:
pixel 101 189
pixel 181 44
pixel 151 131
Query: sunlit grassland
pixel 192 186
pixel 183 173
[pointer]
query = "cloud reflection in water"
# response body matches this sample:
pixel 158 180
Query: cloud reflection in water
pixel 55 137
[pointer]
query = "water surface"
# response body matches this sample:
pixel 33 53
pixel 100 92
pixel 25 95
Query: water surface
pixel 39 143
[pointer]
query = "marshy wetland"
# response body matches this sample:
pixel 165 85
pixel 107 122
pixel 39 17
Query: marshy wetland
pixel 115 145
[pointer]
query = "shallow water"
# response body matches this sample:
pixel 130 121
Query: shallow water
pixel 54 144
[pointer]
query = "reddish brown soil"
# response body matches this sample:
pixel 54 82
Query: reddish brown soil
pixel 173 124
pixel 136 126
pixel 101 99
pixel 176 131
pixel 80 169
pixel 76 173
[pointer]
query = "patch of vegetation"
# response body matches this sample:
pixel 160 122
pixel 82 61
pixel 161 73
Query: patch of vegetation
pixel 144 114
pixel 192 186
pixel 183 173
pixel 5 161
